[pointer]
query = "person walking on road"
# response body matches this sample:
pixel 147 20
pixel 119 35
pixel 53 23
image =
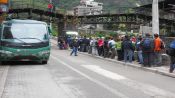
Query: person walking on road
pixel 171 53
pixel 75 47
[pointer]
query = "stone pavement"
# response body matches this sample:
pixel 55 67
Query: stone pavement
pixel 3 76
pixel 163 70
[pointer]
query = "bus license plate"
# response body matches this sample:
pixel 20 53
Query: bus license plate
pixel 25 60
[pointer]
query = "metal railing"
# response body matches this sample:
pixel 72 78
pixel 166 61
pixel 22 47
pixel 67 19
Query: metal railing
pixel 42 5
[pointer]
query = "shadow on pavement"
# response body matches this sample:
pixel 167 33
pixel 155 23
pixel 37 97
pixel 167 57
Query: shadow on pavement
pixel 16 63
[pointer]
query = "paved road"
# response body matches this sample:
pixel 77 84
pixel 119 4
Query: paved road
pixel 82 76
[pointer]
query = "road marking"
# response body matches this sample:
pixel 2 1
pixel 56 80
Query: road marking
pixel 104 72
pixel 120 95
pixel 145 88
pixel 3 79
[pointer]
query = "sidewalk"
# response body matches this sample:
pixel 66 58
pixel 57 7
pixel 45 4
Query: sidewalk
pixel 3 76
pixel 163 70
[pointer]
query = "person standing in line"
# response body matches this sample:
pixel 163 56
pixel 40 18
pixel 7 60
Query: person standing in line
pixel 100 46
pixel 147 45
pixel 75 47
pixel 158 45
pixel 128 49
pixel 84 44
pixel 106 48
pixel 93 45
pixel 119 49
pixel 112 45
pixel 139 50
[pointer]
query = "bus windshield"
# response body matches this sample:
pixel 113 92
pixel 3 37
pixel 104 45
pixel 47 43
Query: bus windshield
pixel 25 31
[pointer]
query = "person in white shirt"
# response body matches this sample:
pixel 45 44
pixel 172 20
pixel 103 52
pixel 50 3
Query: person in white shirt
pixel 111 45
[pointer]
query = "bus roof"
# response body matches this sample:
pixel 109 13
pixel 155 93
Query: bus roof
pixel 24 21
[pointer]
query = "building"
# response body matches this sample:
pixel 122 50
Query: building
pixel 88 7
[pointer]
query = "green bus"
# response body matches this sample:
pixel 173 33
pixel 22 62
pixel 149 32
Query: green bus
pixel 24 40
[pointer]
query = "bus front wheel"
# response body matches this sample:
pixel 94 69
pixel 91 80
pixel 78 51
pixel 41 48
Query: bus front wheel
pixel 44 62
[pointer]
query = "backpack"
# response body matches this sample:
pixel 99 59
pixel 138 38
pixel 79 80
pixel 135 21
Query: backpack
pixel 138 46
pixel 147 43
pixel 111 45
pixel 172 44
pixel 171 49
pixel 162 46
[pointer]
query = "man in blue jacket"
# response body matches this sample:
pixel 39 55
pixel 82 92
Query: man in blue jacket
pixel 172 56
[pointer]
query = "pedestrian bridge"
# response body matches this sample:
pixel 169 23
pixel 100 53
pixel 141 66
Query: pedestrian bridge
pixel 132 17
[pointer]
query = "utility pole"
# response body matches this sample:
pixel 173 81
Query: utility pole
pixel 155 17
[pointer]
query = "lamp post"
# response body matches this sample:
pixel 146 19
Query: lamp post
pixel 155 17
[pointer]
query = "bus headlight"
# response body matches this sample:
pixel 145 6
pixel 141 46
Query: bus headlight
pixel 5 52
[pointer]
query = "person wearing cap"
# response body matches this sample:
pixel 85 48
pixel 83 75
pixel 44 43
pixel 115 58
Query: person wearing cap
pixel 157 50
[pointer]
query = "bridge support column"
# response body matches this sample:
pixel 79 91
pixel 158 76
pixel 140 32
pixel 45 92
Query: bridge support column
pixel 30 14
pixel 41 17
pixel 61 27
pixel 17 15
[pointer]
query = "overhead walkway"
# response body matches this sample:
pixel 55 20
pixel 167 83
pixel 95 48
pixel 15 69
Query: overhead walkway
pixel 38 7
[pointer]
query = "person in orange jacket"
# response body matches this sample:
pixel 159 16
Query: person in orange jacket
pixel 157 50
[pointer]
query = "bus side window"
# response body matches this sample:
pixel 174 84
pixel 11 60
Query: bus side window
pixel 50 31
pixel 0 31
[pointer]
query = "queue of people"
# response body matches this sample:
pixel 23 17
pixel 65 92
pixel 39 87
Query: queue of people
pixel 146 50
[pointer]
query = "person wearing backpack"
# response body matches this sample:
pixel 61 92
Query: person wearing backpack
pixel 112 44
pixel 128 49
pixel 139 50
pixel 147 45
pixel 171 53
pixel 157 50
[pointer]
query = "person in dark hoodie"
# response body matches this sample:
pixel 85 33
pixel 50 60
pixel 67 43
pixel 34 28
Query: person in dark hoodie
pixel 75 47
pixel 171 53
pixel 128 49
pixel 147 45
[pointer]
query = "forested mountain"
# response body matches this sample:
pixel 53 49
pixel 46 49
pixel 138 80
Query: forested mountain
pixel 108 4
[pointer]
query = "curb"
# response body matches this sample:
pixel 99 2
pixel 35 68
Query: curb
pixel 134 66
pixel 3 79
